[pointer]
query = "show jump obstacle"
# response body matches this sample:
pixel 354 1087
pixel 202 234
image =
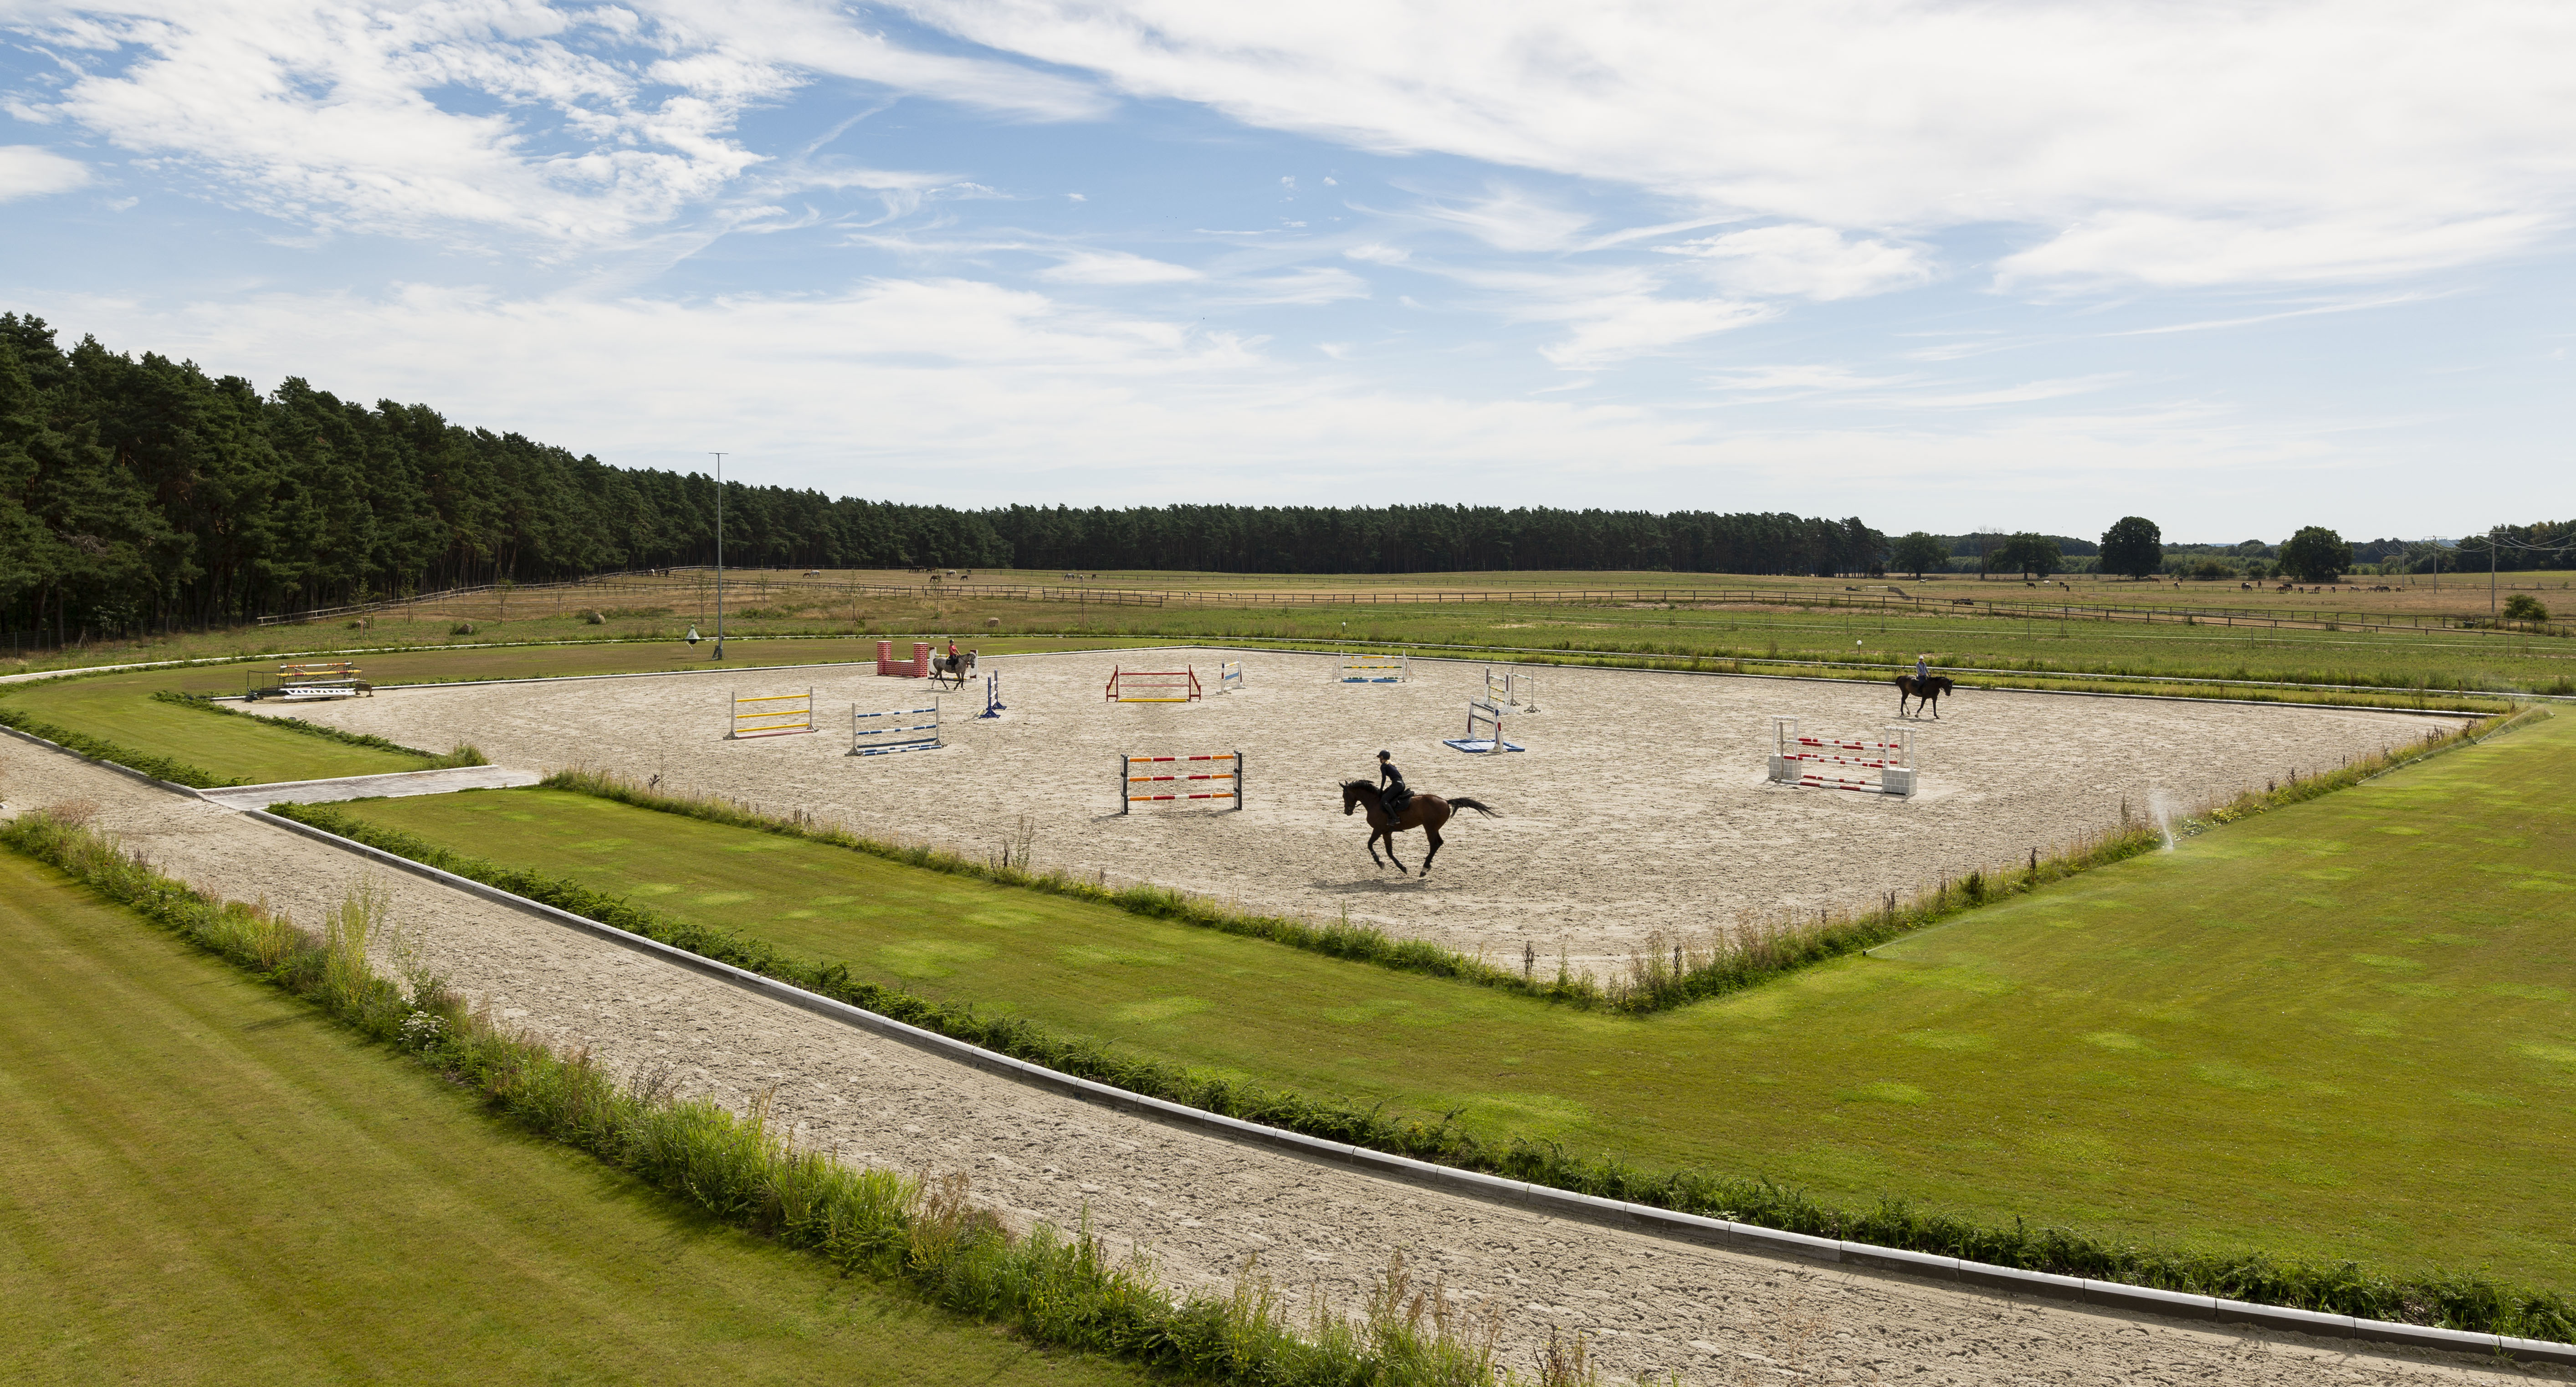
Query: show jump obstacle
pixel 1481 713
pixel 1128 780
pixel 918 667
pixel 1229 676
pixel 1511 688
pixel 1372 669
pixel 317 679
pixel 777 715
pixel 1154 685
pixel 1887 767
pixel 993 704
pixel 903 729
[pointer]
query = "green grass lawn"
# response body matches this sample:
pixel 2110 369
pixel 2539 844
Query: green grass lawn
pixel 2347 1028
pixel 202 1180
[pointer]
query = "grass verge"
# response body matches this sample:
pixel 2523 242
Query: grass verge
pixel 1779 1075
pixel 928 1239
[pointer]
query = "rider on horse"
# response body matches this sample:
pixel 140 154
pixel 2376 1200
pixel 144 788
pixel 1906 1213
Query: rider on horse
pixel 1922 667
pixel 1391 790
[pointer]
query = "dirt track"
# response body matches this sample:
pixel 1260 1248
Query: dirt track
pixel 1639 809
pixel 1200 1204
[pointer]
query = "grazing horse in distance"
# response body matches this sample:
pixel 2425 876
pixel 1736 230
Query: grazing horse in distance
pixel 1928 689
pixel 1425 812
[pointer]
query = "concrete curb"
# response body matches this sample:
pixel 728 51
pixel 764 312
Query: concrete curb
pixel 1641 1218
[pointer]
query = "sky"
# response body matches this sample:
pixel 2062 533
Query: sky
pixel 2236 267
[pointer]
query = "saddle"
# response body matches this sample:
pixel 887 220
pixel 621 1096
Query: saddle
pixel 1395 801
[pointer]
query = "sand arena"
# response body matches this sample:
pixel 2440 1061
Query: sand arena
pixel 1639 813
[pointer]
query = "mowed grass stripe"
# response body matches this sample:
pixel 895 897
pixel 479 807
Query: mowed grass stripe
pixel 204 1180
pixel 2339 1029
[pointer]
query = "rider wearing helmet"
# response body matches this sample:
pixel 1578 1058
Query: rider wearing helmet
pixel 1922 668
pixel 1391 790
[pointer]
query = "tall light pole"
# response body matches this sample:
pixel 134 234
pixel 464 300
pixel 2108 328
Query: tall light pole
pixel 719 457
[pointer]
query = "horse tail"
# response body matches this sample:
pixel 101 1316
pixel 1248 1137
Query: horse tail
pixel 1482 808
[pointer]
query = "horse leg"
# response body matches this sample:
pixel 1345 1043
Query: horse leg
pixel 1434 835
pixel 1374 835
pixel 1390 849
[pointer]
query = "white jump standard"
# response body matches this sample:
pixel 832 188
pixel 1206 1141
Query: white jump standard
pixel 1373 669
pixel 753 717
pixel 1512 688
pixel 880 734
pixel 1887 768
pixel 1128 780
pixel 1229 676
pixel 1479 711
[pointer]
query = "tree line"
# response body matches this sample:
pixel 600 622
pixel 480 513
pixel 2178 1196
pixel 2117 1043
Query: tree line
pixel 139 494
pixel 142 493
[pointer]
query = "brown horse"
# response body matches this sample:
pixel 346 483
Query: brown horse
pixel 1425 812
pixel 1929 690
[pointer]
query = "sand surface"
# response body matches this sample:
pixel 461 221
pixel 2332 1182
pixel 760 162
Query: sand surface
pixel 1641 809
pixel 1201 1205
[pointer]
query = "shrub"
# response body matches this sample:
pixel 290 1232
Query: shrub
pixel 462 628
pixel 2522 606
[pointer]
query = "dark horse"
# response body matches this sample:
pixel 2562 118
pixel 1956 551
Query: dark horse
pixel 950 671
pixel 1928 689
pixel 1425 812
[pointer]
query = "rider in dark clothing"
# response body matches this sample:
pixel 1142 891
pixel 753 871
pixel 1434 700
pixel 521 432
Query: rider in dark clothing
pixel 1391 789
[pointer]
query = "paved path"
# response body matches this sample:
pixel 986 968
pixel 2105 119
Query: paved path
pixel 1200 1204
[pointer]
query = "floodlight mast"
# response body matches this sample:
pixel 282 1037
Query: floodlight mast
pixel 719 457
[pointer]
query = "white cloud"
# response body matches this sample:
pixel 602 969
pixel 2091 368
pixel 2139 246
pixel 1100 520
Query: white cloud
pixel 1796 381
pixel 1618 329
pixel 1379 254
pixel 1311 284
pixel 1809 261
pixel 2300 139
pixel 32 171
pixel 580 125
pixel 1509 219
pixel 1116 267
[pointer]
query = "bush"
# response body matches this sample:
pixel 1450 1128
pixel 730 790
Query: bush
pixel 462 628
pixel 2522 606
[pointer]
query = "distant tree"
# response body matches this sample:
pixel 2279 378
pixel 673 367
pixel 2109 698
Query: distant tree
pixel 2027 554
pixel 2133 547
pixel 1919 551
pixel 2522 606
pixel 2316 554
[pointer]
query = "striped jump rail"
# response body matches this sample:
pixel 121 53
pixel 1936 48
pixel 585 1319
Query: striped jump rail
pixel 1154 685
pixel 1797 760
pixel 1128 780
pixel 796 718
pixel 891 735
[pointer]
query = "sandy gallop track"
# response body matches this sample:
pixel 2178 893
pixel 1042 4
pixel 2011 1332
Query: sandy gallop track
pixel 1639 808
pixel 1203 1205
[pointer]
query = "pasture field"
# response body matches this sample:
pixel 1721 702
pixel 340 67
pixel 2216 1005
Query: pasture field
pixel 1792 620
pixel 2341 1029
pixel 206 1181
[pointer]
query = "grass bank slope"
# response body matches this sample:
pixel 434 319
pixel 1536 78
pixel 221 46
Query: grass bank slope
pixel 2345 1028
pixel 205 1181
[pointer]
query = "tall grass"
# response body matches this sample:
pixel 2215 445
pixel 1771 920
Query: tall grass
pixel 1057 1288
pixel 2469 1301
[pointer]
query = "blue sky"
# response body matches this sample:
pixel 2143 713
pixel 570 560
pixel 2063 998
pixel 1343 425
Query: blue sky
pixel 2238 268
